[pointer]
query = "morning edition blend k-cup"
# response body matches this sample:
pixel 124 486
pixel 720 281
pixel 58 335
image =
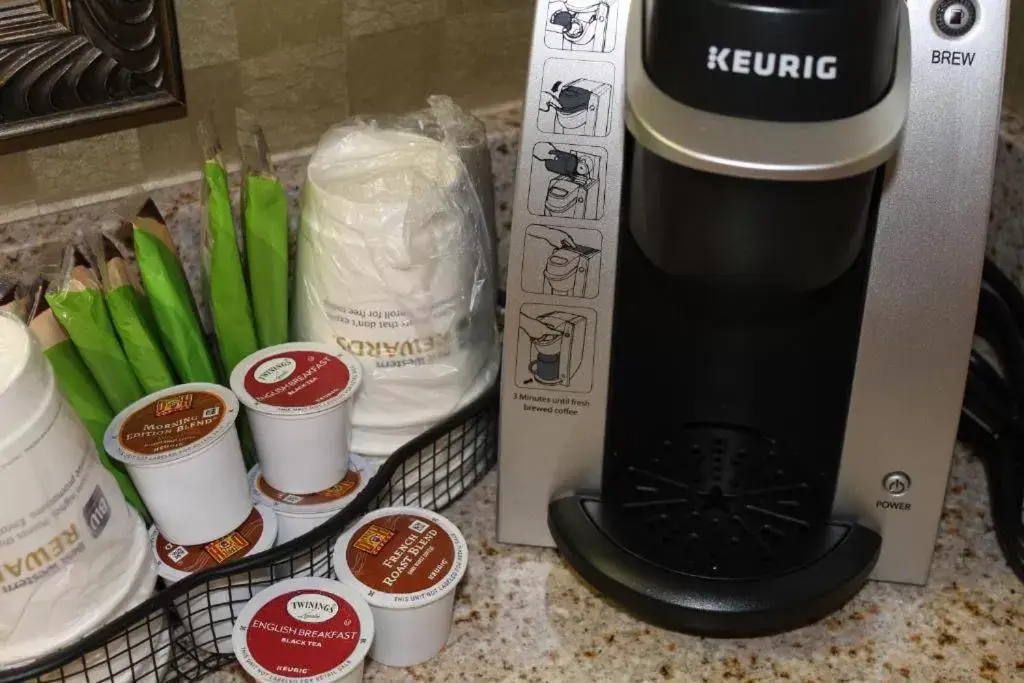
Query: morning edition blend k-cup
pixel 406 562
pixel 298 398
pixel 304 630
pixel 182 451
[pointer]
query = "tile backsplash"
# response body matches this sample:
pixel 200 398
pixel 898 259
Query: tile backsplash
pixel 299 66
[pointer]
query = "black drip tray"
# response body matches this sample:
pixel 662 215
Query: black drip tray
pixel 718 502
pixel 716 532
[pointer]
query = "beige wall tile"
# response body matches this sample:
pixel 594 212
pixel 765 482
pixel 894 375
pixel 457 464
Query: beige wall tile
pixel 394 71
pixel 364 17
pixel 206 31
pixel 479 6
pixel 296 92
pixel 86 166
pixel 170 148
pixel 266 25
pixel 485 56
pixel 17 182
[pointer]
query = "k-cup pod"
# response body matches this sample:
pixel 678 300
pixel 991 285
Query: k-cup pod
pixel 306 630
pixel 182 451
pixel 209 609
pixel 406 562
pixel 139 657
pixel 298 513
pixel 299 401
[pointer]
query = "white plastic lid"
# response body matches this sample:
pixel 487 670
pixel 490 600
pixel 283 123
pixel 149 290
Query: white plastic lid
pixel 327 501
pixel 256 534
pixel 24 380
pixel 402 557
pixel 176 423
pixel 303 630
pixel 296 379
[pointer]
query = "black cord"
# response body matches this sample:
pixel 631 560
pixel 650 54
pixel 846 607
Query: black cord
pixel 992 420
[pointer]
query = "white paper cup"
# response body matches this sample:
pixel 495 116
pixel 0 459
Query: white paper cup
pixel 299 401
pixel 209 610
pixel 182 451
pixel 306 630
pixel 129 658
pixel 406 562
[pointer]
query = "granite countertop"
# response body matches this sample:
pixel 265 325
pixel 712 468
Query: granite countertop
pixel 522 615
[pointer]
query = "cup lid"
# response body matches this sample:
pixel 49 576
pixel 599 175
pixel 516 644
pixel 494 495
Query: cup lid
pixel 303 630
pixel 327 501
pixel 296 379
pixel 402 557
pixel 256 534
pixel 172 424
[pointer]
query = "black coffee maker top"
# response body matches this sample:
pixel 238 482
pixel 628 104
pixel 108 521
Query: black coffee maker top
pixel 773 60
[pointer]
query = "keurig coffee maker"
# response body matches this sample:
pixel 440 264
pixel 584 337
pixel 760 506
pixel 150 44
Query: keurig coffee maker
pixel 773 355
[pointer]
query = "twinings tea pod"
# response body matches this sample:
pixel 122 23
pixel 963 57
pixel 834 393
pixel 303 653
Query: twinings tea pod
pixel 182 451
pixel 298 398
pixel 407 563
pixel 210 609
pixel 304 630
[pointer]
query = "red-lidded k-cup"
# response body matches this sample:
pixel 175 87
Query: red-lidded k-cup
pixel 182 451
pixel 298 398
pixel 406 562
pixel 304 630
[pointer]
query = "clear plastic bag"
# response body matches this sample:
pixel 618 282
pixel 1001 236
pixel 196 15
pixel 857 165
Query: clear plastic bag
pixel 395 263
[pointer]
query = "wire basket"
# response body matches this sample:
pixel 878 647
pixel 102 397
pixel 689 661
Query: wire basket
pixel 183 633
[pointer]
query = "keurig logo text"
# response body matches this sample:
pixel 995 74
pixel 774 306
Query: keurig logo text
pixel 772 65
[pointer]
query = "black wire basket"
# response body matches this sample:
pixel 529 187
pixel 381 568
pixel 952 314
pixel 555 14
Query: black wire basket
pixel 183 633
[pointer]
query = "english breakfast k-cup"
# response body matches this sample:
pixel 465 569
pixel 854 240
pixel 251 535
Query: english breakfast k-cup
pixel 298 398
pixel 304 630
pixel 182 451
pixel 406 562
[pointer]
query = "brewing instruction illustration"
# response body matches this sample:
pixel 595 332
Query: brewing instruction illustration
pixel 568 181
pixel 582 25
pixel 576 98
pixel 562 261
pixel 555 348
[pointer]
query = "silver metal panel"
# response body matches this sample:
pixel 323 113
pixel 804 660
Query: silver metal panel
pixel 552 436
pixel 923 289
pixel 767 150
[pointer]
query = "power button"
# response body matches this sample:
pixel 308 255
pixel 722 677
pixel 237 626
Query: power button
pixel 955 18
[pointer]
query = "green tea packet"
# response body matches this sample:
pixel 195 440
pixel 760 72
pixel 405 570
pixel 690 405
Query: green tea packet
pixel 79 387
pixel 168 293
pixel 77 302
pixel 264 213
pixel 133 318
pixel 223 277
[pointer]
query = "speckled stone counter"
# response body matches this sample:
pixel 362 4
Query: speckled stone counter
pixel 522 615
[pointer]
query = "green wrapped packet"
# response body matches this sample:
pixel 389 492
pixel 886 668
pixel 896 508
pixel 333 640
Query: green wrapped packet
pixel 223 276
pixel 78 386
pixel 168 294
pixel 77 302
pixel 133 320
pixel 264 212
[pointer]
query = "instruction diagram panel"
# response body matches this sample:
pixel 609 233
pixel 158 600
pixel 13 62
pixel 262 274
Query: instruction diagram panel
pixel 568 181
pixel 582 25
pixel 576 98
pixel 556 348
pixel 562 261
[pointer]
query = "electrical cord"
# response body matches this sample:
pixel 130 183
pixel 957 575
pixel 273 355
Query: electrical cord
pixel 992 420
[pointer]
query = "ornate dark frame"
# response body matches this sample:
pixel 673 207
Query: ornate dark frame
pixel 71 69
